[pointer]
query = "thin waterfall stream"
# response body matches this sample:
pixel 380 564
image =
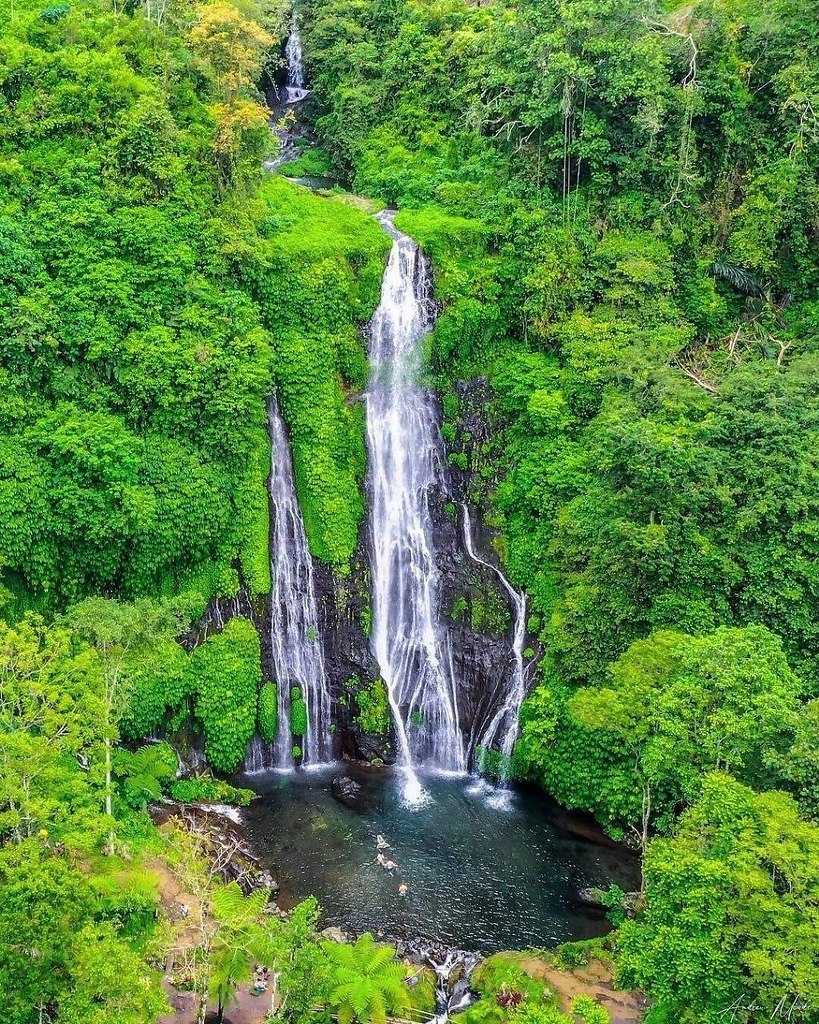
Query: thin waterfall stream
pixel 407 463
pixel 297 659
pixel 295 85
pixel 502 727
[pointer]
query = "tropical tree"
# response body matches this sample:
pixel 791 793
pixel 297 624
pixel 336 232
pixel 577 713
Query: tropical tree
pixel 730 927
pixel 367 983
pixel 115 629
pixel 688 705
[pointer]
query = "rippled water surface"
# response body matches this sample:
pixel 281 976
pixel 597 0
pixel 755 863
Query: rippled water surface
pixel 486 871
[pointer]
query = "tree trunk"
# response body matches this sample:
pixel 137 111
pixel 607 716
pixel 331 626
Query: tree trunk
pixel 108 796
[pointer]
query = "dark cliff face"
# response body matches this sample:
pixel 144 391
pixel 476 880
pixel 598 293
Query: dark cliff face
pixel 474 605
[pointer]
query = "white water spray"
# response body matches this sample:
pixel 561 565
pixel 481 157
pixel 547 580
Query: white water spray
pixel 296 650
pixel 406 464
pixel 502 727
pixel 295 90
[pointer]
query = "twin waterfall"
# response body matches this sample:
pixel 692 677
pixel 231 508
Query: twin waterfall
pixel 406 463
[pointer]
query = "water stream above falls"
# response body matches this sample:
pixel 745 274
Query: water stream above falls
pixel 481 878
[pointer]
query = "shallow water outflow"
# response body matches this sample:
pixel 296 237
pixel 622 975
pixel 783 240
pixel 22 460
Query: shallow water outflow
pixel 406 465
pixel 480 879
pixel 296 651
pixel 501 731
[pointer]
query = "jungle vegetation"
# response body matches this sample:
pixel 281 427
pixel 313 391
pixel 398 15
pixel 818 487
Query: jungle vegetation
pixel 620 199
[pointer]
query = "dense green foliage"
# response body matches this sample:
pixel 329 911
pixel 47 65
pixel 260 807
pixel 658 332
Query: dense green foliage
pixel 732 910
pixel 151 293
pixel 226 674
pixel 620 202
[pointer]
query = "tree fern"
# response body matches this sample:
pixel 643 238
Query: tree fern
pixel 367 983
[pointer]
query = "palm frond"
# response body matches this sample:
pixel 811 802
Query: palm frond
pixel 738 277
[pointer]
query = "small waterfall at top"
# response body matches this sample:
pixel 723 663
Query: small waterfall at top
pixel 502 728
pixel 295 90
pixel 406 463
pixel 296 651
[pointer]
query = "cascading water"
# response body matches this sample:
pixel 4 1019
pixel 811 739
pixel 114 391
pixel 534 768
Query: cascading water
pixel 502 728
pixel 295 90
pixel 406 463
pixel 297 659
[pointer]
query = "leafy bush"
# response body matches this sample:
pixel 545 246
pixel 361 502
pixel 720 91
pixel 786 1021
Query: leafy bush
pixel 212 791
pixel 373 708
pixel 145 772
pixel 225 676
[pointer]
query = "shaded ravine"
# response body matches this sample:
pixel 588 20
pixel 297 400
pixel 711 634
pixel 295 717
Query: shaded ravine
pixel 406 464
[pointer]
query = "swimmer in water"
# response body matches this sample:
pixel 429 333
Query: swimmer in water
pixel 390 867
pixel 382 860
pixel 403 890
pixel 381 843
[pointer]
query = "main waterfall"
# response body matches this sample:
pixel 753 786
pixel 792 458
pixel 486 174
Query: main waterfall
pixel 406 463
pixel 297 660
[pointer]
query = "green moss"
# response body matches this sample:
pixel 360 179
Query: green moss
pixel 254 520
pixel 374 708
pixel 225 673
pixel 298 712
pixel 317 277
pixel 267 715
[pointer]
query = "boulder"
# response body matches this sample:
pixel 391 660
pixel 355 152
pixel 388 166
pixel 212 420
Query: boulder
pixel 347 791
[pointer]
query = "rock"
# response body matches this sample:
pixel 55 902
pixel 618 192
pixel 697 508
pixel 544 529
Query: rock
pixel 334 934
pixel 591 897
pixel 374 748
pixel 347 791
pixel 267 881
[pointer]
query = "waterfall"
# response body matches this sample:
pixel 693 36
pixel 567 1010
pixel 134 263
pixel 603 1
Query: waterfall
pixel 406 462
pixel 502 727
pixel 295 68
pixel 297 659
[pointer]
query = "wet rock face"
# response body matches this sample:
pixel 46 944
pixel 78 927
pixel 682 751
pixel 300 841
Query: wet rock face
pixel 475 608
pixel 480 617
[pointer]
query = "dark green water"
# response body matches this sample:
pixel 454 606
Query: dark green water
pixel 485 873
